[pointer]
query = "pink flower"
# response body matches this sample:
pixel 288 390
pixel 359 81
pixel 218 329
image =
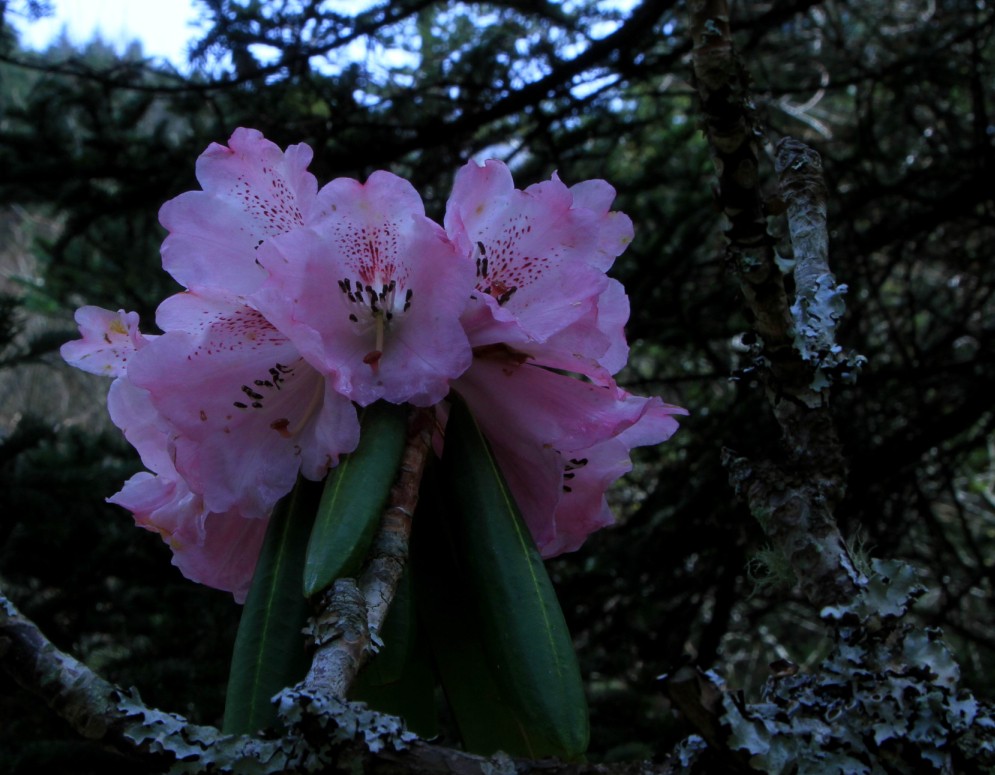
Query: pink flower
pixel 561 442
pixel 217 549
pixel 371 294
pixel 543 307
pixel 252 191
pixel 109 340
pixel 540 257
pixel 246 411
pixel 302 301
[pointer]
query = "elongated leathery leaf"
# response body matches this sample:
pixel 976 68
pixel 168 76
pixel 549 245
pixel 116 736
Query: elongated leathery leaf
pixel 525 635
pixel 269 649
pixel 355 495
pixel 447 615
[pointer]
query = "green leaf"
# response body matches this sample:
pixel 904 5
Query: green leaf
pixel 269 649
pixel 355 495
pixel 446 613
pixel 525 637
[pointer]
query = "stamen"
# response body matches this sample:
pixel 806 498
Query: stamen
pixel 503 298
pixel 379 331
pixel 282 424
pixel 252 393
pixel 275 382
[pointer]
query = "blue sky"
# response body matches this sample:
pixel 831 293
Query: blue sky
pixel 163 26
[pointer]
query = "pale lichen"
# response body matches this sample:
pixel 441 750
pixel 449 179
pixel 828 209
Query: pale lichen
pixel 888 692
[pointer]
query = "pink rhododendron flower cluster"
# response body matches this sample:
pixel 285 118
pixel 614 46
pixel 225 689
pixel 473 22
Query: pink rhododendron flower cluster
pixel 302 303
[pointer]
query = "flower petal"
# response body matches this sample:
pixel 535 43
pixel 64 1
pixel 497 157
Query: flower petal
pixel 109 340
pixel 594 345
pixel 252 191
pixel 532 250
pixel 219 550
pixel 588 473
pixel 560 442
pixel 543 406
pixel 614 228
pixel 131 410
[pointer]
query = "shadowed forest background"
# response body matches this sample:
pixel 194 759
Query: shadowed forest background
pixel 897 97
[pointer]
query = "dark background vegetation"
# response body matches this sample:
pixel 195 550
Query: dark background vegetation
pixel 896 96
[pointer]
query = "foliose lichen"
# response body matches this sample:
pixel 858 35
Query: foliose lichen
pixel 886 699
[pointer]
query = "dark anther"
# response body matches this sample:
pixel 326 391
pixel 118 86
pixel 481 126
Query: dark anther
pixel 507 294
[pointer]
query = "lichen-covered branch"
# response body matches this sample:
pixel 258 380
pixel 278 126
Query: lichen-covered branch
pixel 734 138
pixel 101 711
pixel 341 636
pixel 887 697
pixel 794 497
pixel 352 737
pixel 819 301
